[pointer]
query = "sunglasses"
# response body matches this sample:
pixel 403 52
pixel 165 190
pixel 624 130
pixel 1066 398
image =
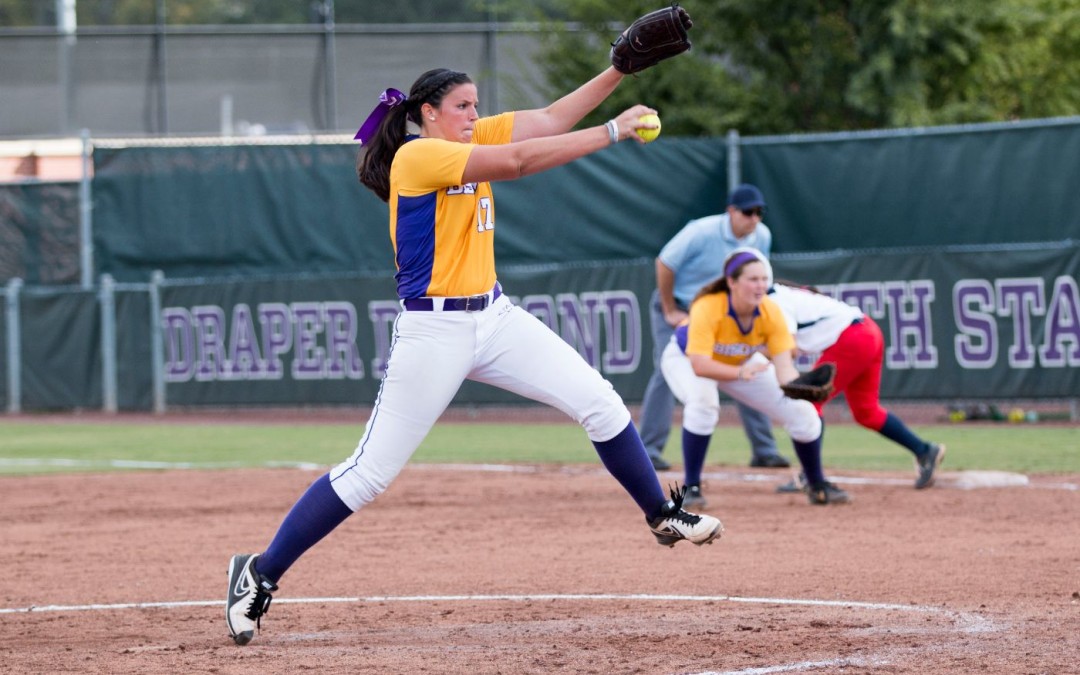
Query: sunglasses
pixel 756 211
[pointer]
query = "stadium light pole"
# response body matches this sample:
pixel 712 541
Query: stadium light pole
pixel 491 58
pixel 330 62
pixel 159 64
pixel 66 22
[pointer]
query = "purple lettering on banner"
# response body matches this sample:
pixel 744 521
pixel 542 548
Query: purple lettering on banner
pixel 543 308
pixel 244 361
pixel 866 295
pixel 308 357
pixel 1021 298
pixel 976 343
pixel 382 314
pixel 210 328
pixel 580 325
pixel 909 318
pixel 342 357
pixel 1063 326
pixel 622 325
pixel 276 322
pixel 179 349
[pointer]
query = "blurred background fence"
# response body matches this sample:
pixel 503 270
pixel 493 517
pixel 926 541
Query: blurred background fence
pixel 244 79
pixel 257 271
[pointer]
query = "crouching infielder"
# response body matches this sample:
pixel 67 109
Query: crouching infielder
pixel 736 340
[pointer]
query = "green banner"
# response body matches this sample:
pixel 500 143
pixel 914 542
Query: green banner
pixel 60 335
pixel 4 365
pixel 958 324
pixel 298 209
pixel 134 381
pixel 979 184
pixel 326 340
pixel 1001 323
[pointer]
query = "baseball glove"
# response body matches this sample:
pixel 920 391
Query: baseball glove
pixel 815 385
pixel 652 38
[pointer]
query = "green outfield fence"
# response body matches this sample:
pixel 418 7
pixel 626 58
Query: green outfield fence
pixel 218 272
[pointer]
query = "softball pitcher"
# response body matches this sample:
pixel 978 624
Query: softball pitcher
pixel 432 158
pixel 843 335
pixel 736 340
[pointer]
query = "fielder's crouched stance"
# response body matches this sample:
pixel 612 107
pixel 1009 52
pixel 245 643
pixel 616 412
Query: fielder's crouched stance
pixel 431 158
pixel 736 340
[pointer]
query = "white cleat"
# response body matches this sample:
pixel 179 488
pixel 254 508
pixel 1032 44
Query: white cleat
pixel 249 598
pixel 674 524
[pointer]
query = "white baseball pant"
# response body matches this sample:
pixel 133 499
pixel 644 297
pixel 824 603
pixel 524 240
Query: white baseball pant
pixel 433 352
pixel 701 398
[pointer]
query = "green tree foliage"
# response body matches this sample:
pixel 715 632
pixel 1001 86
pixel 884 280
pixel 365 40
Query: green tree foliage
pixel 785 66
pixel 760 66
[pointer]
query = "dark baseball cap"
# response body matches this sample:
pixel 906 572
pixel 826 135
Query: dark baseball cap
pixel 746 196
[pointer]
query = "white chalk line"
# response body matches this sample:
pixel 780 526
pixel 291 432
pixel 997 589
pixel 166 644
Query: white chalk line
pixel 865 662
pixel 968 622
pixel 60 462
pixel 971 622
pixel 958 479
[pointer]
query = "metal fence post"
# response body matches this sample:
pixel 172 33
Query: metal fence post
pixel 107 297
pixel 157 352
pixel 330 64
pixel 14 347
pixel 734 160
pixel 86 229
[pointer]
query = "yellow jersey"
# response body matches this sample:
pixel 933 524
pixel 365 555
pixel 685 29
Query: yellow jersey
pixel 713 330
pixel 442 231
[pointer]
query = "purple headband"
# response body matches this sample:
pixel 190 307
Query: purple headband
pixel 388 99
pixel 738 261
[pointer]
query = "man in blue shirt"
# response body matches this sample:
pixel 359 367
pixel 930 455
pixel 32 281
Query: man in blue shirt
pixel 690 260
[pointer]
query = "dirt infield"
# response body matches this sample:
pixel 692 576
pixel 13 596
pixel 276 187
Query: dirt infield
pixel 542 570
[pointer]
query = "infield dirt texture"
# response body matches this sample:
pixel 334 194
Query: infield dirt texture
pixel 542 570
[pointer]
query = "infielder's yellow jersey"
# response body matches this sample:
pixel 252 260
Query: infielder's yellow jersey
pixel 443 231
pixel 714 331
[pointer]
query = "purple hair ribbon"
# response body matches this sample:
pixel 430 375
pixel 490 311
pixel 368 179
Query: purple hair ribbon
pixel 390 98
pixel 738 261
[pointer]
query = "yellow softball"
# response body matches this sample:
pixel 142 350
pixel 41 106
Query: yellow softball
pixel 649 135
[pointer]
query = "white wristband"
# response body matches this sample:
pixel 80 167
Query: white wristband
pixel 613 131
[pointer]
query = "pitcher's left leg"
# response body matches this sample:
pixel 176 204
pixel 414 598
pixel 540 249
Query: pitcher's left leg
pixel 524 356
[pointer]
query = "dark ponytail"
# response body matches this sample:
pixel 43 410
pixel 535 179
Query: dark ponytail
pixel 715 286
pixel 375 157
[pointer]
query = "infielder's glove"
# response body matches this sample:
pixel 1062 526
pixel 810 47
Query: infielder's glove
pixel 815 385
pixel 652 38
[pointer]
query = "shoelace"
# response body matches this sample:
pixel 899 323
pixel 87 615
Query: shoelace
pixel 259 605
pixel 677 513
pixel 686 517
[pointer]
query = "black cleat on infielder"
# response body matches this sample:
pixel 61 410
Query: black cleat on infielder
pixel 826 493
pixel 693 499
pixel 674 525
pixel 249 598
pixel 927 464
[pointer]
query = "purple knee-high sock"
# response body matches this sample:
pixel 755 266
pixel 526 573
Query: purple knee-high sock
pixel 810 457
pixel 625 458
pixel 694 448
pixel 313 517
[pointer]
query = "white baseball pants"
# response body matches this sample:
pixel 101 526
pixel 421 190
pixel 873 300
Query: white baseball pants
pixel 433 352
pixel 701 398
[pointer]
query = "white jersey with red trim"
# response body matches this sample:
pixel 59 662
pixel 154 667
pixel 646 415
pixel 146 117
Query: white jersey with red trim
pixel 816 320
